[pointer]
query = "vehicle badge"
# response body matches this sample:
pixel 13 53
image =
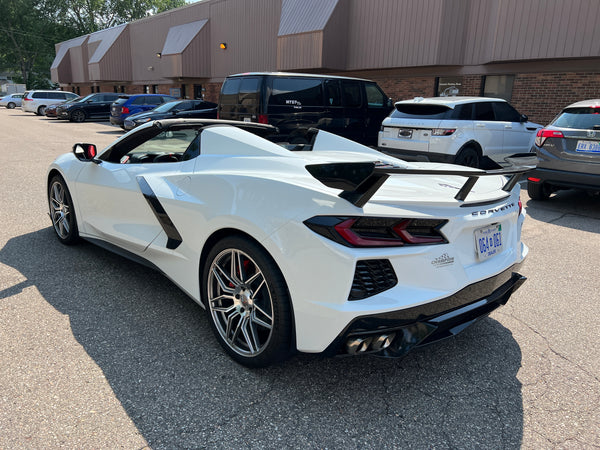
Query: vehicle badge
pixel 591 133
pixel 443 261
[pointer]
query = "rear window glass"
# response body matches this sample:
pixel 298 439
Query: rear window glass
pixel 121 100
pixel 421 111
pixel 249 91
pixel 230 91
pixel 296 92
pixel 578 118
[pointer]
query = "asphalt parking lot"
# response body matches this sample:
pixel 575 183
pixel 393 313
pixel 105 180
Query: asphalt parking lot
pixel 99 352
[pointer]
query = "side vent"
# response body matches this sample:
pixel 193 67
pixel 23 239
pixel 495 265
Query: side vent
pixel 372 277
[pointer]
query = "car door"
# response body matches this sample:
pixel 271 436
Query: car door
pixel 354 114
pixel 518 134
pixel 112 196
pixel 488 132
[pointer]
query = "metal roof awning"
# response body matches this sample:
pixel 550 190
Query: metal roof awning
pixel 186 50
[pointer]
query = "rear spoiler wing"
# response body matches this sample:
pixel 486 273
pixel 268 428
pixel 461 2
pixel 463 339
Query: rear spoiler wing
pixel 359 181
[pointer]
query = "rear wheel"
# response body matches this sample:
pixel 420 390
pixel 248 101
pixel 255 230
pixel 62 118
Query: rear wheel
pixel 248 303
pixel 468 156
pixel 538 191
pixel 62 211
pixel 11 105
pixel 41 110
pixel 77 116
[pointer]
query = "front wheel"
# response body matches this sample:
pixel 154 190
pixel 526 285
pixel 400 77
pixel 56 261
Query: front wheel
pixel 248 302
pixel 77 116
pixel 62 211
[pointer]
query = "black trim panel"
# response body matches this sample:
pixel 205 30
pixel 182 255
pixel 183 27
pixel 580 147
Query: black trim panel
pixel 174 238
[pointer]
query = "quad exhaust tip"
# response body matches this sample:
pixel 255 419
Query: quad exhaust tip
pixel 369 344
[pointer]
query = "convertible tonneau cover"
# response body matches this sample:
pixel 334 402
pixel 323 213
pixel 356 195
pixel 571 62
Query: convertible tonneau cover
pixel 359 181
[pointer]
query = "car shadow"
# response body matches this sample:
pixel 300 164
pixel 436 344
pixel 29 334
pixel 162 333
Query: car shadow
pixel 570 208
pixel 155 348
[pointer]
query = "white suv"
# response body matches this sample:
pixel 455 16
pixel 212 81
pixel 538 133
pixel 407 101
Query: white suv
pixel 36 101
pixel 460 130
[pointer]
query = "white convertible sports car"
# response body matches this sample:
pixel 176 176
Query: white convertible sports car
pixel 329 247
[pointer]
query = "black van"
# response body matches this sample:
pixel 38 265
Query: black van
pixel 349 107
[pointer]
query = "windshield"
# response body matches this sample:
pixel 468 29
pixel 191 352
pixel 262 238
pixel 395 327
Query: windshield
pixel 166 107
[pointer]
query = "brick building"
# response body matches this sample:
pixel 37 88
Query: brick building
pixel 539 54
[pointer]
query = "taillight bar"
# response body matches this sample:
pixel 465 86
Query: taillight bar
pixel 443 131
pixel 544 134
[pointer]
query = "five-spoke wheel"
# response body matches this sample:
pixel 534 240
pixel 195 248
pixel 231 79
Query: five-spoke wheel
pixel 77 116
pixel 248 302
pixel 62 212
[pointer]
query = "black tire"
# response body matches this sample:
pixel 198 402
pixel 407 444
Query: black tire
pixel 248 303
pixel 10 105
pixel 41 110
pixel 538 191
pixel 468 156
pixel 77 116
pixel 62 211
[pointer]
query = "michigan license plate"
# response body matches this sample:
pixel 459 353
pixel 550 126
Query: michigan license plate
pixel 488 241
pixel 588 147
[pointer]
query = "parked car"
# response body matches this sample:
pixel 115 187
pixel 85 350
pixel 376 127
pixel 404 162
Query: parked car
pixel 287 250
pixel 294 103
pixel 197 109
pixel 127 105
pixel 468 131
pixel 36 101
pixel 93 106
pixel 11 100
pixel 568 152
pixel 51 109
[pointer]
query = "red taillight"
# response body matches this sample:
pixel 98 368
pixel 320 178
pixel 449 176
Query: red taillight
pixel 124 110
pixel 378 231
pixel 443 131
pixel 544 134
pixel 534 179
pixel 263 118
pixel 28 99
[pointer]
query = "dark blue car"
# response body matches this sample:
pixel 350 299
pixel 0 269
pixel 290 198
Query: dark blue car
pixel 126 105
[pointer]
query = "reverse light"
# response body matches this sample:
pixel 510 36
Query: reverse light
pixel 443 131
pixel 378 231
pixel 544 134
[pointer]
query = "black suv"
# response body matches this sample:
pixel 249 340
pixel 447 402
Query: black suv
pixel 94 106
pixel 349 107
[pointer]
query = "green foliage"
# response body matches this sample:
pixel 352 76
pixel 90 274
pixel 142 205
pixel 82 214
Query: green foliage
pixel 31 28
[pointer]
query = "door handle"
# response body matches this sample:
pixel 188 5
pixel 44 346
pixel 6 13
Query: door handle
pixel 480 125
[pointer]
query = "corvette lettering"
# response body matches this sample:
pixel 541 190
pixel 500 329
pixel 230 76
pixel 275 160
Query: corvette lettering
pixel 493 210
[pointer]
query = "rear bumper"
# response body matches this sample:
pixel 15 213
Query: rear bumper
pixel 396 333
pixel 116 121
pixel 566 179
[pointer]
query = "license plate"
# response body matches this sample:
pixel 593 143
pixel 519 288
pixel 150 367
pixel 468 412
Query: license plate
pixel 488 241
pixel 588 147
pixel 405 134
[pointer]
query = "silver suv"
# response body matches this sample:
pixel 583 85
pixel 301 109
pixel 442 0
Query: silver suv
pixel 568 152
pixel 36 101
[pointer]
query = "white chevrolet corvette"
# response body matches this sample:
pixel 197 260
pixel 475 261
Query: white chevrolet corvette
pixel 328 247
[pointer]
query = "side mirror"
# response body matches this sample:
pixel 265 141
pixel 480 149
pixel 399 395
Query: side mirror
pixel 524 118
pixel 85 152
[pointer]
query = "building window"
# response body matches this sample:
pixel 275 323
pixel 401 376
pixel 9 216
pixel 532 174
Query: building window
pixel 499 86
pixel 155 88
pixel 146 89
pixel 448 86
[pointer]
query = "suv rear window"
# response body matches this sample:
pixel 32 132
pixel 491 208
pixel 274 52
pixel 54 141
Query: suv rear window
pixel 421 111
pixel 296 91
pixel 121 100
pixel 578 118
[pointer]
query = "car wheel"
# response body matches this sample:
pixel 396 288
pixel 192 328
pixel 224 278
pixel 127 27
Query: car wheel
pixel 538 191
pixel 62 211
pixel 77 116
pixel 468 156
pixel 41 111
pixel 248 302
pixel 11 105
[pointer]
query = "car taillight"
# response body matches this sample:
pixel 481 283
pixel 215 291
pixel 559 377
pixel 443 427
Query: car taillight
pixel 263 118
pixel 124 110
pixel 544 134
pixel 378 231
pixel 443 131
pixel 28 99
